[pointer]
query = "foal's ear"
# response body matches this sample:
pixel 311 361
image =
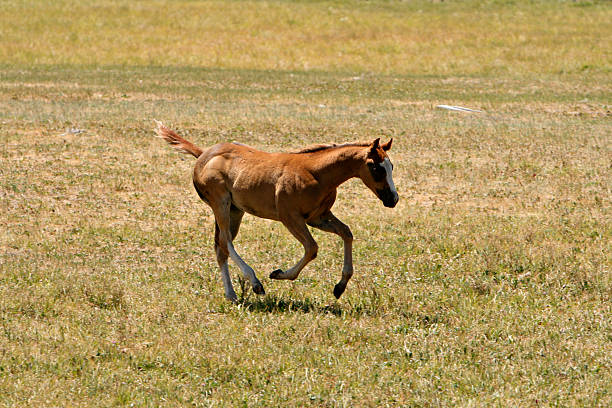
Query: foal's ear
pixel 374 147
pixel 387 146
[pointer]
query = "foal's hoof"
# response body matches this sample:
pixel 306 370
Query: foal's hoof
pixel 276 274
pixel 259 289
pixel 339 289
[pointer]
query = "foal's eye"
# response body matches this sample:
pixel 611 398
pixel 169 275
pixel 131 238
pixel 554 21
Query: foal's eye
pixel 378 171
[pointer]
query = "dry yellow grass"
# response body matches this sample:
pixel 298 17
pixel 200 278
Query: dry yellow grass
pixel 489 284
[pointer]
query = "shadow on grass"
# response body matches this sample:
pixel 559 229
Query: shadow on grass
pixel 274 304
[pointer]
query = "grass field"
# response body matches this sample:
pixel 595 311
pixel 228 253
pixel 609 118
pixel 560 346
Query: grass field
pixel 488 285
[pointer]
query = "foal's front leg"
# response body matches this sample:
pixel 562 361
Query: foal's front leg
pixel 297 226
pixel 329 223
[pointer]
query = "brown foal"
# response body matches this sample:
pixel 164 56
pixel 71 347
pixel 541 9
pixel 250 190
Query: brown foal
pixel 297 189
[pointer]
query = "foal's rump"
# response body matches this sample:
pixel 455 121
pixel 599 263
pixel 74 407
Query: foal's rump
pixel 248 178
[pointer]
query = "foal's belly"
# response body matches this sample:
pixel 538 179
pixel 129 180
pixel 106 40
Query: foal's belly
pixel 260 202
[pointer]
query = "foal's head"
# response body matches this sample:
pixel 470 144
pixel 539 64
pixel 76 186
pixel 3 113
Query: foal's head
pixel 376 173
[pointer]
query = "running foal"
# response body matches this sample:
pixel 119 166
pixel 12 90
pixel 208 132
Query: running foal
pixel 297 189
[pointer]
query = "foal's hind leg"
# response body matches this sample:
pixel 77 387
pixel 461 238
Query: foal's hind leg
pixel 329 223
pixel 223 215
pixel 222 252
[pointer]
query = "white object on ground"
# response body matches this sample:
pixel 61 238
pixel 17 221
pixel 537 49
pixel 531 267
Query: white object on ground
pixel 458 108
pixel 73 131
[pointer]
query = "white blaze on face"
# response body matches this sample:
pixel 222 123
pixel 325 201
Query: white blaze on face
pixel 386 164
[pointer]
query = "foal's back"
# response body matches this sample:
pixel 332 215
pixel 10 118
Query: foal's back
pixel 251 177
pixel 242 163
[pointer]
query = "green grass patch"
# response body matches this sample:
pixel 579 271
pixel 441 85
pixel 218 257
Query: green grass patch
pixel 420 37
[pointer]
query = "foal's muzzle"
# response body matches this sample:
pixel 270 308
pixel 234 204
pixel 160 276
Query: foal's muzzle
pixel 388 197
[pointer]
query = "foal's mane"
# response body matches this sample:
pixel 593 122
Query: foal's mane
pixel 321 147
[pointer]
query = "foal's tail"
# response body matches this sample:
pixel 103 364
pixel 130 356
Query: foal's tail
pixel 180 144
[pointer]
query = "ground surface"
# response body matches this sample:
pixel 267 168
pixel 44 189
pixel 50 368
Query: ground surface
pixel 488 284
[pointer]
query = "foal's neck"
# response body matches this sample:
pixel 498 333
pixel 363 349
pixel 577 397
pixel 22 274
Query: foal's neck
pixel 336 165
